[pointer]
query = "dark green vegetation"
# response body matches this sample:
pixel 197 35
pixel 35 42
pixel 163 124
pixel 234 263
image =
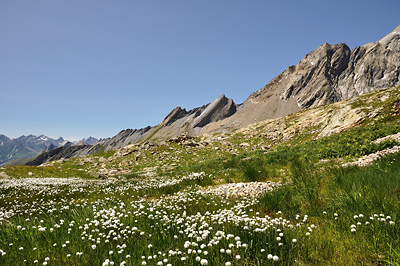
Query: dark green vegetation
pixel 373 192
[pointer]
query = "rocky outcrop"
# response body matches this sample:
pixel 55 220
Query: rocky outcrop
pixel 174 115
pixel 374 65
pixel 329 74
pixel 333 73
pixel 313 81
pixel 122 139
pixel 196 121
pixel 218 109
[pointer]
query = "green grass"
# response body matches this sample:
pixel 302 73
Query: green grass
pixel 43 172
pixel 369 191
pixel 325 207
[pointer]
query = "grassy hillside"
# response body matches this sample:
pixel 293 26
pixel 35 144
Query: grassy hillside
pixel 274 193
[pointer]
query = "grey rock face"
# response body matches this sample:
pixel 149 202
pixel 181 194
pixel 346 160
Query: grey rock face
pixel 122 139
pixel 333 73
pixel 218 109
pixel 314 80
pixel 371 66
pixel 193 122
pixel 174 115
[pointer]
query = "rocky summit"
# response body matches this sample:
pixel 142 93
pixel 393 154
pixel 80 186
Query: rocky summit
pixel 328 74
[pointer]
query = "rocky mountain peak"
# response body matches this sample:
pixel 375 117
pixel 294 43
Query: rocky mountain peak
pixel 371 66
pixel 218 109
pixel 174 115
pixel 333 73
pixel 312 82
pixel 393 36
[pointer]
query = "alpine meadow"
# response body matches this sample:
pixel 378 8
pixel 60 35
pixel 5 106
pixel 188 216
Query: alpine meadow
pixel 306 171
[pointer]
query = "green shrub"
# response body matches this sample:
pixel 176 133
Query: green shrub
pixel 253 169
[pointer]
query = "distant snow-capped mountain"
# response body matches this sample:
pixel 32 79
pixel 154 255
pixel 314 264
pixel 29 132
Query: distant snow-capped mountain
pixel 26 147
pixel 86 141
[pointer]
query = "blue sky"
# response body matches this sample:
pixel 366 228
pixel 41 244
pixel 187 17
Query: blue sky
pixel 92 68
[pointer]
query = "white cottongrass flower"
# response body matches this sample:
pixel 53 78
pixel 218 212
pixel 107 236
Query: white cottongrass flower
pixel 203 262
pixel 275 258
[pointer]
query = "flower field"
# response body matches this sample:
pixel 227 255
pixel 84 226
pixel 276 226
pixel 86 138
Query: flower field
pixel 254 197
pixel 72 221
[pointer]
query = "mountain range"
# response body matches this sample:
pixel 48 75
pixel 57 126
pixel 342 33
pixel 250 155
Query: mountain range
pixel 328 74
pixel 25 147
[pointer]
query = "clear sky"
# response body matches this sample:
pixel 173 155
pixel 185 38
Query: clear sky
pixel 82 68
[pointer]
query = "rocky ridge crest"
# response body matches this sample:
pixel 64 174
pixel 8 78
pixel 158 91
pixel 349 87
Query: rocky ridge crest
pixel 329 74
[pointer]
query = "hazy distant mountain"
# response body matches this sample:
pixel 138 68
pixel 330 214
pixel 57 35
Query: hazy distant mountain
pixel 26 147
pixel 86 141
pixel 328 74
